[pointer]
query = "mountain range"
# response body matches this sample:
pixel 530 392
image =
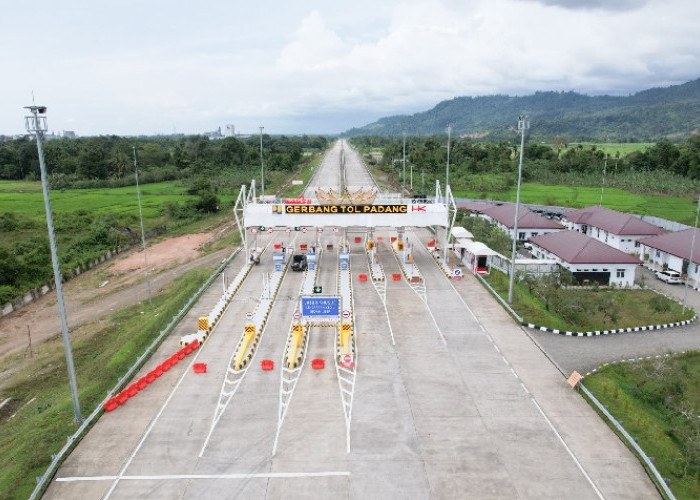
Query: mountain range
pixel 646 116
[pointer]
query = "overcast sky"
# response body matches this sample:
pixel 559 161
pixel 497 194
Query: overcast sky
pixel 310 66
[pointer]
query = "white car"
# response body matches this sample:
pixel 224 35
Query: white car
pixel 671 277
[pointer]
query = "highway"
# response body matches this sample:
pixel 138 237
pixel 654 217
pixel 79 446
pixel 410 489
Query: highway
pixel 450 398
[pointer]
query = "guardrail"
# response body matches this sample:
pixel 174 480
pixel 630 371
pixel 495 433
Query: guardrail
pixel 500 299
pixel 87 423
pixel 658 479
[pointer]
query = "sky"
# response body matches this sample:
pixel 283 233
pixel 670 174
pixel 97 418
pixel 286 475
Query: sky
pixel 151 67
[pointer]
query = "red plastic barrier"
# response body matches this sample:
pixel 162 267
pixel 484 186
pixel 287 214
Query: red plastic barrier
pixel 278 246
pixel 431 243
pixel 157 371
pixel 200 368
pixel 111 404
pixel 380 238
pixel 358 239
pixel 318 364
pixel 181 354
pixel 393 239
pixel 132 390
pixel 362 277
pixel 165 365
pixel 151 376
pixel 396 277
pixel 122 397
pixel 303 246
pixel 142 383
pixel 267 364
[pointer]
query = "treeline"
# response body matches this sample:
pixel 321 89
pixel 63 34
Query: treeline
pixel 205 168
pixel 666 167
pixel 108 161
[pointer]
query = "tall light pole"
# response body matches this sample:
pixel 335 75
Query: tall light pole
pixel 602 186
pixel 37 125
pixel 447 171
pixel 262 168
pixel 404 160
pixel 690 258
pixel 523 125
pixel 143 234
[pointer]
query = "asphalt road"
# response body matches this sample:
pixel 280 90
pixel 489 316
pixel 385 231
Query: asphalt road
pixel 584 354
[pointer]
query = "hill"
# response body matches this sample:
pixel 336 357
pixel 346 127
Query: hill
pixel 647 116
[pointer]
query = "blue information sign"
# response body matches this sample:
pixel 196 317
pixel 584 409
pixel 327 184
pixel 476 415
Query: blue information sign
pixel 320 306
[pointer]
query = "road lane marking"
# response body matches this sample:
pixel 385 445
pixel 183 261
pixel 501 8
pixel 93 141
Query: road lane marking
pixel 269 475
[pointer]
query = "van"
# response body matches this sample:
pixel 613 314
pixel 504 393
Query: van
pixel 670 277
pixel 299 262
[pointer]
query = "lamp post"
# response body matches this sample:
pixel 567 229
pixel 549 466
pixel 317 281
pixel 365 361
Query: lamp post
pixel 36 124
pixel 262 168
pixel 143 234
pixel 690 257
pixel 404 160
pixel 447 171
pixel 523 125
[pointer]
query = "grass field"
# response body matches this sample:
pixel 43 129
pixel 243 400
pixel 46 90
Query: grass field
pixel 680 209
pixel 658 401
pixel 26 198
pixel 41 402
pixel 632 307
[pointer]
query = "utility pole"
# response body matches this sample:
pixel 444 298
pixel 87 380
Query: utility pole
pixel 523 125
pixel 447 172
pixel 404 161
pixel 690 257
pixel 262 168
pixel 602 187
pixel 143 233
pixel 37 125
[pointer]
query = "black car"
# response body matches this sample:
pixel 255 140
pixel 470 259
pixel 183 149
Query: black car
pixel 299 262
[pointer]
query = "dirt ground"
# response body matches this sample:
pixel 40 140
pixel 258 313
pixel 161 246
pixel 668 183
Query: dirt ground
pixel 102 290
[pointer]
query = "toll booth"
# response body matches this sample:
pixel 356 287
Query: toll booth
pixel 474 255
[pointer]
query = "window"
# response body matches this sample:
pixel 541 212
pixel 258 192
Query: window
pixel 534 234
pixel 521 236
pixel 620 273
pixel 636 244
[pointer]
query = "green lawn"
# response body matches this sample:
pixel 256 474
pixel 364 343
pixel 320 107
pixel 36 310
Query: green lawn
pixel 680 209
pixel 658 401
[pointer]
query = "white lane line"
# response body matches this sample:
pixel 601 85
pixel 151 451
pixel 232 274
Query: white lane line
pixel 269 475
pixel 524 388
pixel 496 347
pixel 118 477
pixel 571 453
pixel 514 374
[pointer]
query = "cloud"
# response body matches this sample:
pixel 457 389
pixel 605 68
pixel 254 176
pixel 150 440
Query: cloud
pixel 594 4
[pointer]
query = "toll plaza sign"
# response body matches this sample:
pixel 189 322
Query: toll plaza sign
pixel 314 306
pixel 390 214
pixel 344 209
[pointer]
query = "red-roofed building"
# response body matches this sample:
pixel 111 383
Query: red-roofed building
pixel 617 229
pixel 587 258
pixel 672 251
pixel 529 223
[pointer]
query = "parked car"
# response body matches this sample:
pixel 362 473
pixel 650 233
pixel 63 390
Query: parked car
pixel 299 262
pixel 671 277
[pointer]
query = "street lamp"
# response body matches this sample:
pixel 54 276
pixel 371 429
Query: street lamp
pixel 36 124
pixel 404 160
pixel 143 234
pixel 447 172
pixel 262 169
pixel 523 125
pixel 690 257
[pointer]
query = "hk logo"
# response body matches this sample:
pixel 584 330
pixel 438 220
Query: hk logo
pixel 417 208
pixel 277 209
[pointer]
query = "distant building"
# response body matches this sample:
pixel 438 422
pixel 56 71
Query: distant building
pixel 672 251
pixel 617 229
pixel 229 130
pixel 529 223
pixel 587 258
pixel 69 134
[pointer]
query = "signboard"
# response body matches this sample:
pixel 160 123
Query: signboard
pixel 289 230
pixel 457 273
pixel 253 230
pixel 320 229
pixel 303 229
pixel 296 315
pixel 346 361
pixel 336 229
pixel 346 209
pixel 249 316
pixel 311 266
pixel 296 182
pixel 269 230
pixel 278 267
pixel 320 306
pixel 346 314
